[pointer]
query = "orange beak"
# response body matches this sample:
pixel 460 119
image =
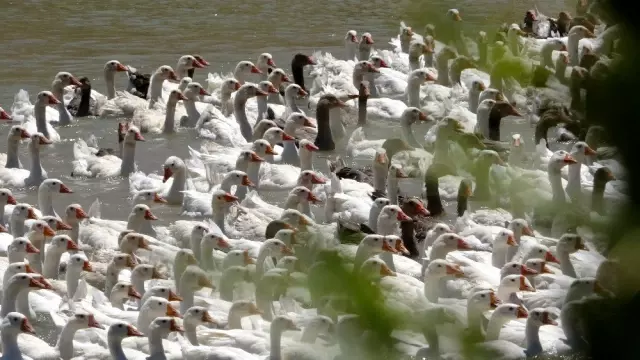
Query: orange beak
pixel 522 313
pixel 206 318
pixel 31 214
pixel 589 151
pixel 550 258
pixel 247 182
pixel 93 323
pixel 53 100
pixel 120 68
pixel 285 78
pixel 44 141
pixel 204 92
pixel 511 241
pixel 386 247
pixel 62 226
pixel 167 174
pixel 546 270
pixel 71 245
pixel 48 231
pixel 148 215
pixel 301 92
pixel 80 214
pixel 139 137
pixel 525 270
pixel 402 216
pixel 32 249
pixel 317 180
pixel 143 244
pixel 132 331
pixel 11 200
pixel 26 327
pixel 494 301
pixel 270 151
pixel 524 286
pixel 287 137
pixel 463 245
pixel 457 17
pixel 255 311
pixel 159 199
pixel 176 327
pixel 256 158
pixel 248 259
pixel 132 293
pixel 5 116
pixel 547 320
pixel 171 311
pixel 400 174
pixel 24 134
pixel 422 116
pixel 422 210
pixel 527 231
pixel 272 90
pixel 400 248
pixel 223 244
pixel 568 159
pixel 385 271
pixel 287 251
pixel 174 297
pixel 87 266
pixel 455 270
pixel 172 76
pixel 230 198
pixel 312 198
pixel 3 229
pixel 197 64
pixel 255 70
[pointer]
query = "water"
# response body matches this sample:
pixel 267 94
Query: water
pixel 41 38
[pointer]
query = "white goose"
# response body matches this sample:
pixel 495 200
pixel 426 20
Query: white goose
pixel 16 134
pixel 26 178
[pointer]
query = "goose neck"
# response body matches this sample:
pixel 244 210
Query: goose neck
pixel 176 194
pixel 45 203
pixel 324 137
pixel 561 69
pixel 407 233
pixel 192 112
pixel 235 319
pixel 565 263
pixel 597 197
pixel 262 256
pixel 572 48
pixel 305 208
pixel 188 295
pixel 414 61
pixel 532 334
pixel 239 103
pixel 371 77
pixel 482 192
pixel 483 113
pixel 434 203
pixel 35 260
pixel 219 213
pixel 556 186
pixel 431 288
pixel 495 118
pixel 362 110
pixel 138 283
pixel 128 159
pixel 290 102
pixel 380 174
pixel 206 254
pixel 407 134
pixel 298 73
pixel 115 348
pixel 291 202
pixel 227 284
pixel 36 167
pixel 72 278
pixel 190 333
pixel 494 327
pixel 16 224
pixel 443 72
pixel 309 335
pixel 40 113
pixel 462 205
pixel 74 234
pixel 23 305
pixel 475 319
pixel 545 54
pixel 9 297
pixel 262 107
pixel 373 217
pixel 134 223
pixel 109 79
pixel 170 116
pixel 305 156
pixel 51 263
pixel 573 181
pixel 13 162
pixel 111 278
pixel 156 349
pixel 392 190
pixel 10 349
pixel 337 127
pixel 498 255
pixel 264 299
pixel 65 341
pixel 155 88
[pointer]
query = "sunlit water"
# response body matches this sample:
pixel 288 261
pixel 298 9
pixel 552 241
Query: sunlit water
pixel 41 38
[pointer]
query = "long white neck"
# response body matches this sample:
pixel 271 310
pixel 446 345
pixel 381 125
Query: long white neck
pixel 10 349
pixel 111 278
pixel 276 350
pixel 23 305
pixel 373 217
pixel 155 89
pixel 35 260
pixel 309 334
pixel 290 103
pixel 290 154
pixel 439 251
pixel 253 172
pixel 493 328
pixel 51 263
pixel 138 284
pixel 407 133
pixel 573 181
pixel 474 100
pixel 262 107
pixel 13 162
pixel 573 42
pixel 65 341
pixel 392 189
pixel 443 71
pixel 373 90
pixel 45 203
pixel 192 111
pixel 9 297
pixel 40 113
pixel 264 299
pixel 169 120
pixel 176 195
pixel 305 208
pixel 532 334
pixel 379 177
pixel 262 256
pixel 64 116
pixel 134 223
pixel 75 230
pixel 556 186
pixel 206 254
pixel 16 224
pixel 432 288
pixel 362 254
pixel 235 319
pixel 115 348
pixel 239 103
pixel 218 214
pixel 413 92
pixel 499 255
pixel 188 295
pixel 128 163
pixel 156 349
pixel 190 333
pixel 305 156
pixel 475 319
pixel 565 263
pixel 72 278
pixel 227 284
pixel 36 168
pixel 414 62
pixel 291 202
pixel 109 79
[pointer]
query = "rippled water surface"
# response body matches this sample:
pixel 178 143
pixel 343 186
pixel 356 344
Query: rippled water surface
pixel 40 38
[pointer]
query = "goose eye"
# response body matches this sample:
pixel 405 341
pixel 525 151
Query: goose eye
pixel 163 290
pixel 439 265
pixel 483 296
pixel 120 326
pixel 159 304
pixel 514 266
pixel 81 316
pixel 511 309
pixel 513 280
pixel 164 321
pixel 197 311
pixel 540 251
pixel 24 277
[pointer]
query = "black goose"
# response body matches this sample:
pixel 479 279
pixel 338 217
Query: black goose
pixel 432 185
pixel 80 106
pixel 324 139
pixel 482 165
pixel 138 82
pixel 298 63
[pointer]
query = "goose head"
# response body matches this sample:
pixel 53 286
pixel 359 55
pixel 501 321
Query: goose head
pixel 238 258
pixel 4 115
pixel 41 229
pixel 478 86
pixel 243 69
pixel 396 172
pixel 483 300
pixel 375 268
pixel 581 150
pixel 580 288
pixel 262 148
pixel 63 79
pixel 440 229
pixel 243 308
pixel 120 330
pixel 570 243
pixel 516 268
pixel 366 42
pixel 184 82
pixel 140 213
pixel 265 62
pixel 267 87
pixel 516 142
pixel 351 43
pixel 287 236
pixel 417 48
pixel 282 323
pixel 406 32
pixel 538 265
pixel 20 247
pixel 381 160
pixel 298 120
pixel 439 268
pixel 295 218
pixel 229 86
pixel 165 72
pixel 492 94
pixel 364 66
pixel 412 114
pixel 194 90
pixel 148 197
pixel 504 238
pixel 62 243
pixel 164 325
pixel 123 291
pixel 221 198
pixel 560 159
pixel 376 244
pixel 24 211
pixel 164 292
pixel 262 126
pixel 176 95
pixel 381 202
pixel 17 268
pixel 276 248
pixel 78 263
pixel 146 272
pixel 132 135
pixel 45 98
pixel 184 258
pixel 17 132
pixel 580 32
pixel 239 178
pixel 188 62
pixel 562 60
pixel 277 135
pixel 113 66
pixel 289 263
pixel 37 141
pixel 378 62
pixel 194 278
pixel 304 194
pixel 540 251
pixel 310 177
pixel 454 15
pixel 173 165
pixel 246 157
pixel 197 315
pixel 539 317
pixel 55 223
pixel 83 320
pixel 393 213
pixel 15 323
pixel 452 242
pixel 74 213
pixel 489 157
pixel 396 242
pixel 198 231
pixel 513 283
pixel 51 186
pixel 215 241
pixel 414 207
pixel 157 306
pixel 122 261
pixel 294 91
pixel 514 31
pixel 507 312
pixel 278 76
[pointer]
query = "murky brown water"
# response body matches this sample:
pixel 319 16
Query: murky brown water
pixel 40 38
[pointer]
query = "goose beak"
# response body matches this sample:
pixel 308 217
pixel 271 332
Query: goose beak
pixel 513 111
pixel 71 245
pixel 517 142
pixel 400 248
pixel 32 249
pixel 93 323
pixel 547 320
pixel 457 17
pixel 590 34
pixel 148 215
pixel 237 86
pixel 174 297
pixel 75 81
pixel 139 137
pixel 302 92
pixel 311 60
pixel 482 87
pixel 5 116
pixel 285 79
pixel 455 270
pixel 11 200
pixel 525 270
pixel 568 159
pixel 204 92
pixel 132 331
pixel 205 282
pixel 402 216
pixel 383 64
pixel 463 245
pixel 409 31
pixel 352 96
pixel 26 327
pixel 48 231
pixel 172 76
pixel 62 226
pixel 247 182
pixel 181 96
pixel 524 286
pixel 223 244
pixel 159 199
pixel 270 151
pixel 565 59
pixel 253 310
pixel 317 180
pixel 550 258
pixel 31 214
pixel 80 214
pixel 546 270
pixel 255 70
pixel 580 245
pixel 287 251
pixel 132 293
pixel 422 116
pixel 400 174
pixel 522 313
pixel 422 210
pixel 121 68
pixel 354 39
pixel 598 288
pixel 273 90
pixel 261 93
pixel 33 283
pixel 167 174
pixel 3 229
pixel 368 40
pixel 248 260
pixel 385 271
pixel 197 64
pixel 144 245
pixel 312 147
pixel 206 318
pixel 171 311
pixel 287 137
pixel 175 327
pixel 230 198
pixel 270 62
pixel 527 231
pixel 53 100
pixel 309 123
pixel 426 49
pixel 589 151
pixel 386 247
pixel 494 301
pixel 45 141
pixel 312 198
pixel 202 61
pixel 511 241
pixel 256 158
pixel 87 266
